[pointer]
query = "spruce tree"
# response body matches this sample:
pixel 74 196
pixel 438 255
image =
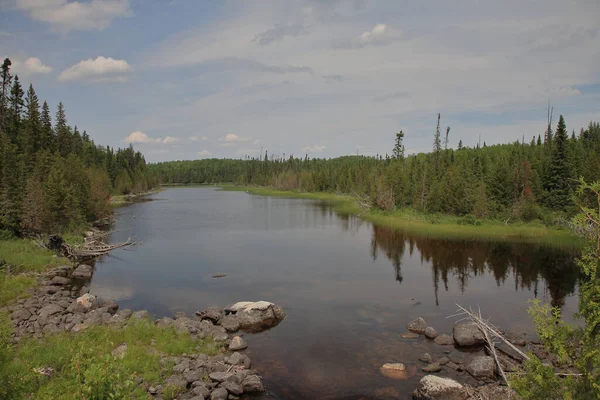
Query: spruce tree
pixel 62 132
pixel 399 147
pixel 15 111
pixel 32 131
pixel 47 136
pixel 558 184
pixel 5 90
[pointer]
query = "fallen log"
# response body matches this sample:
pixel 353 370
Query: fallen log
pixel 92 247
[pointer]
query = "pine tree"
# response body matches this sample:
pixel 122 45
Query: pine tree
pixel 47 136
pixel 558 182
pixel 63 136
pixel 399 147
pixel 460 144
pixel 32 131
pixel 15 111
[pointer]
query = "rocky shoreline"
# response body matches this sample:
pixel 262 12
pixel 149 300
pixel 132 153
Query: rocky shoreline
pixel 62 303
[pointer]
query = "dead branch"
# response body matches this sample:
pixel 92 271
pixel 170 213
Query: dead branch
pixel 92 247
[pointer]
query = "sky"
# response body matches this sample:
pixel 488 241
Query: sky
pixel 188 79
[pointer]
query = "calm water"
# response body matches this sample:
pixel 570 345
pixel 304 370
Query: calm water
pixel 348 287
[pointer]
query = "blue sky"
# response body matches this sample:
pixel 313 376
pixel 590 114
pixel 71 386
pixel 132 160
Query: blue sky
pixel 187 79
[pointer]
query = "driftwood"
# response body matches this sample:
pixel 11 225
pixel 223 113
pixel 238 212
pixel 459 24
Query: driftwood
pixel 92 247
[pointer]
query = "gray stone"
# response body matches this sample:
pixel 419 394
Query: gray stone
pixel 444 340
pixel 179 314
pixel 48 289
pixel 52 328
pixel 431 333
pixel 230 323
pixel 481 367
pixel 434 367
pixel 443 361
pixel 200 389
pixel 49 310
pixel 467 335
pixel 21 314
pixel 142 314
pixel 124 314
pixel 220 376
pixel 219 394
pixel 237 343
pixel 181 367
pixel 176 382
pixel 83 272
pixel 257 316
pixel 426 358
pixel 111 304
pixel 59 281
pixel 417 326
pixel 192 376
pixel 213 314
pixel 433 387
pixel 164 322
pixel 84 290
pixel 233 388
pixel 252 384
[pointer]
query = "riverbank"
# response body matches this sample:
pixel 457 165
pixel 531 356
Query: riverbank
pixel 124 199
pixel 432 225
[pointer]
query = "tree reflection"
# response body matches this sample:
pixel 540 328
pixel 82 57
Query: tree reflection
pixel 527 264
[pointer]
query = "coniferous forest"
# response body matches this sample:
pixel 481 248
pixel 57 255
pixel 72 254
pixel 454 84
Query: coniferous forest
pixel 526 180
pixel 52 176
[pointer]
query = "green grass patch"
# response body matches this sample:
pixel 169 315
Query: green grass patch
pixel 27 256
pixel 434 225
pixel 84 367
pixel 14 287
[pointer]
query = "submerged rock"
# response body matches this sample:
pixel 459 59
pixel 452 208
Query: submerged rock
pixel 431 333
pixel 434 367
pixel 468 334
pixel 83 271
pixel 395 371
pixel 444 340
pixel 409 335
pixel 433 387
pixel 417 326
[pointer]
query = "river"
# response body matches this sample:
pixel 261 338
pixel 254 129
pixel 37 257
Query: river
pixel 348 287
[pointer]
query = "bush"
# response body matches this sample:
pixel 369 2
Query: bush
pixel 469 220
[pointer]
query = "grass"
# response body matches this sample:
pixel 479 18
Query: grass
pixel 27 256
pixel 433 225
pixel 83 365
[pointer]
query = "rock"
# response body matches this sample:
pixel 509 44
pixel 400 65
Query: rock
pixel 238 359
pixel 237 343
pixel 176 382
pixel 453 366
pixel 443 361
pixel 21 314
pixel 179 314
pixel 85 302
pixel 84 290
pixel 220 376
pixel 152 390
pixel 467 335
pixel 433 387
pixel 124 314
pixel 111 305
pixel 516 339
pixel 257 316
pixel 434 367
pixel 444 340
pixel 142 314
pixel 417 326
pixel 83 272
pixel 120 351
pixel 192 376
pixel 230 323
pixel 51 328
pixel 394 370
pixel 59 281
pixel 180 367
pixel 426 358
pixel 233 387
pixel 48 289
pixel 164 322
pixel 50 310
pixel 409 335
pixel 80 327
pixel 481 367
pixel 219 394
pixel 431 333
pixel 252 384
pixel 200 389
pixel 211 313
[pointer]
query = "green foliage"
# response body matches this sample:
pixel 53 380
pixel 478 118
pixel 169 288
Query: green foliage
pixel 576 346
pixel 55 178
pixel 84 367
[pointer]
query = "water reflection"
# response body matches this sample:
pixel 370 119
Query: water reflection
pixel 528 265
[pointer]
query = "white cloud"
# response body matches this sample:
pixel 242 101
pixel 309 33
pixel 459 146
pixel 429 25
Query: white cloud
pixel 29 66
pixel 66 15
pixel 100 69
pixel 198 138
pixel 315 149
pixel 381 34
pixel 231 139
pixel 204 153
pixel 141 137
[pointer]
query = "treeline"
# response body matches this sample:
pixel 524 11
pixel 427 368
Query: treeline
pixel 52 176
pixel 521 180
